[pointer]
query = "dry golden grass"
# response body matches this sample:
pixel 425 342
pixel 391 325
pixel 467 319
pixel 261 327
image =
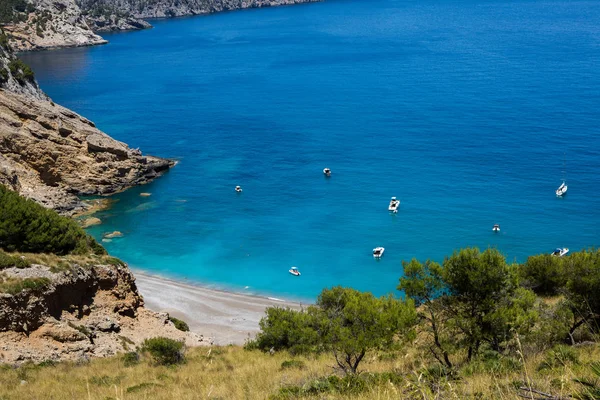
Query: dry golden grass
pixel 234 373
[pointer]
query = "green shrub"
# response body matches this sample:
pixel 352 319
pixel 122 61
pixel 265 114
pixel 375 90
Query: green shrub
pixel 544 274
pixel 28 227
pixel 14 286
pixel 164 351
pixel 3 75
pixel 131 358
pixel 21 71
pixel 8 261
pixel 288 364
pixel 10 10
pixel 559 356
pixel 179 324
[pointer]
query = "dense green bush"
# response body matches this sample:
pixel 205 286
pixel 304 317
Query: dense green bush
pixel 283 328
pixel 344 321
pixel 544 274
pixel 10 9
pixel 179 324
pixel 164 351
pixel 21 71
pixel 28 227
pixel 131 358
pixel 471 300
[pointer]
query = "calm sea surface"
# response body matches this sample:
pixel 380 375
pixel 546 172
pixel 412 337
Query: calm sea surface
pixel 465 110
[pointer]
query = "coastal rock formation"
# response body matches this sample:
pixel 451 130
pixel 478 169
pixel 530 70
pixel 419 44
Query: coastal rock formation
pixel 50 24
pixel 16 76
pixel 51 154
pixel 46 24
pixel 91 310
pixel 177 8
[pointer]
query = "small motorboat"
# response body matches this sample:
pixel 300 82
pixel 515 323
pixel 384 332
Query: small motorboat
pixel 294 271
pixel 327 172
pixel 378 252
pixel 496 228
pixel 559 252
pixel 238 189
pixel 562 189
pixel 394 204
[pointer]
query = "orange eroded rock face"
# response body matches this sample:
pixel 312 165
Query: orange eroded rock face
pixel 87 311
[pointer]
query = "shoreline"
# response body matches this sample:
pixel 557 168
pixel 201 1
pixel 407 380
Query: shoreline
pixel 226 317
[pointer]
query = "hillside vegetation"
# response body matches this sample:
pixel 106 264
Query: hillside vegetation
pixel 26 226
pixel 234 373
pixel 472 327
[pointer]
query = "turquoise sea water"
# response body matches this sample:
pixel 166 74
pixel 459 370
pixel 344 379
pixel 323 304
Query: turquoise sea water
pixel 464 110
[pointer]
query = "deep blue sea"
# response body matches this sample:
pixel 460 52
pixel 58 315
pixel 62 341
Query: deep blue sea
pixel 465 110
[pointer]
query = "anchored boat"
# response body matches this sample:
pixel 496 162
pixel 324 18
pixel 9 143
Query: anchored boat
pixel 559 252
pixel 394 204
pixel 378 252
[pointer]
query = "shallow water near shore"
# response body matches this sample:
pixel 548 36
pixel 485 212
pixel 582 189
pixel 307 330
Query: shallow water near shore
pixel 464 110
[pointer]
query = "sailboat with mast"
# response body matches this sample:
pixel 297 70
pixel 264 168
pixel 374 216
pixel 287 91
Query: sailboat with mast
pixel 562 189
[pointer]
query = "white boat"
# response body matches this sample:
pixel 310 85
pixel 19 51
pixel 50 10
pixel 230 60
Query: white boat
pixel 238 189
pixel 496 228
pixel 562 189
pixel 327 171
pixel 394 204
pixel 378 252
pixel 559 252
pixel 294 271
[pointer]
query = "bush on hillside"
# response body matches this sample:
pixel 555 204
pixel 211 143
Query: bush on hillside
pixel 8 261
pixel 26 226
pixel 544 274
pixel 164 351
pixel 344 321
pixel 21 71
pixel 179 324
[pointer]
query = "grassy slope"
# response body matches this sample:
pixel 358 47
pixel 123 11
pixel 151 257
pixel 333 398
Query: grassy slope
pixel 233 373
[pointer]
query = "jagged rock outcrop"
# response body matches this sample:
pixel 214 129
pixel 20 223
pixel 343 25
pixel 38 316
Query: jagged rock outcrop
pixel 51 154
pixel 83 311
pixel 51 24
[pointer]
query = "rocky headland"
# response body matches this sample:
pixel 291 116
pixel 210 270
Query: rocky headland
pixel 52 155
pixel 48 24
pixel 72 310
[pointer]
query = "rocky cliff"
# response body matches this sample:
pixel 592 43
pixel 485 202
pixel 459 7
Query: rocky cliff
pixel 176 8
pixel 51 154
pixel 76 309
pixel 50 24
pixel 16 76
pixel 46 24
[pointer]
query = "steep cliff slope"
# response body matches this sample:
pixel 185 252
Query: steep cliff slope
pixel 14 75
pixel 51 154
pixel 47 24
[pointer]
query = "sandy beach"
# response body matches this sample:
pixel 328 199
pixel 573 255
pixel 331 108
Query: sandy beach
pixel 227 317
